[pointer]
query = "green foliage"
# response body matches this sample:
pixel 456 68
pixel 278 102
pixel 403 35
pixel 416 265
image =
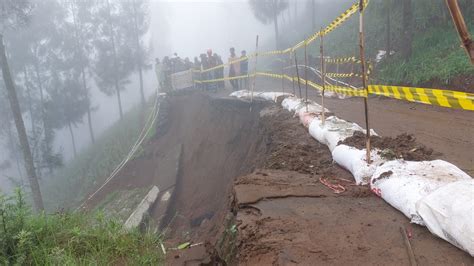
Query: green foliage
pixel 70 239
pixel 436 55
pixel 92 165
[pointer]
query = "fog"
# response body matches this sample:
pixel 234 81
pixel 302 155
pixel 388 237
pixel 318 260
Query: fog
pixel 195 26
pixel 186 27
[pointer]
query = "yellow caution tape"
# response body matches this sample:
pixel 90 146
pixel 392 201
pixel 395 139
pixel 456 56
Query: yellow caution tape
pixel 343 60
pixel 228 63
pixel 445 98
pixel 342 75
pixel 225 78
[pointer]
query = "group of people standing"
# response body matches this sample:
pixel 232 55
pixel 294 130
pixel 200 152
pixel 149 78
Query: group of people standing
pixel 168 66
pixel 238 67
pixel 238 70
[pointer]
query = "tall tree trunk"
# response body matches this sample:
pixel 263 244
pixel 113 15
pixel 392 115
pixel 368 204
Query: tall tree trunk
pixel 114 54
pixel 30 105
pixel 20 127
pixel 389 29
pixel 46 129
pixel 89 116
pixel 138 52
pixel 407 16
pixel 14 148
pixel 83 73
pixel 313 15
pixel 73 140
pixel 275 24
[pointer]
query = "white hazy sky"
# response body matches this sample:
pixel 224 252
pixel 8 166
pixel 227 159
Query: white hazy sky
pixel 196 25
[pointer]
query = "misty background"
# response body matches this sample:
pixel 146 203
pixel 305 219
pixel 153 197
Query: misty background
pixel 419 33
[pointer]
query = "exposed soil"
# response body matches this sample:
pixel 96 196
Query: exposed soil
pixel 287 216
pixel 288 145
pixel 459 83
pixel 448 131
pixel 402 146
pixel 277 210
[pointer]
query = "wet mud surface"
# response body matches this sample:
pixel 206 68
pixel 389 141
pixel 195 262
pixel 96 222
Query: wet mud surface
pixel 244 188
pixel 403 146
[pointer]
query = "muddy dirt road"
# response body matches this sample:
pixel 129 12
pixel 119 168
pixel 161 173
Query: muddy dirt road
pixel 448 131
pixel 287 216
pixel 245 187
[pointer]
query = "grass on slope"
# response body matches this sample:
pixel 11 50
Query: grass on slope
pixel 93 164
pixel 436 55
pixel 70 239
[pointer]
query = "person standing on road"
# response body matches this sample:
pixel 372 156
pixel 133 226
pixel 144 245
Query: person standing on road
pixel 220 71
pixel 234 69
pixel 244 70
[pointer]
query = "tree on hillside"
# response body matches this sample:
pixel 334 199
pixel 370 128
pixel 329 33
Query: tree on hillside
pixel 33 49
pixel 114 61
pixel 84 35
pixel 267 11
pixel 135 24
pixel 13 14
pixel 67 104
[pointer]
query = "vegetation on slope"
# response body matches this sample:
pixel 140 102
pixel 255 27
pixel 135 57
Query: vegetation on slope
pixel 70 238
pixel 93 165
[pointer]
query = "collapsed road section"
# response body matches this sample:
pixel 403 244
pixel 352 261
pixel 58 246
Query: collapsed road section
pixel 241 185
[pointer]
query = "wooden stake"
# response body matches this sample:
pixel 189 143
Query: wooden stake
pixel 461 27
pixel 292 77
pixel 254 72
pixel 297 73
pixel 306 74
pixel 406 241
pixel 282 75
pixel 364 78
pixel 323 77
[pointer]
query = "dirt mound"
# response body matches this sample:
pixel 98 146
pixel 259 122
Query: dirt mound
pixel 290 147
pixel 324 228
pixel 402 146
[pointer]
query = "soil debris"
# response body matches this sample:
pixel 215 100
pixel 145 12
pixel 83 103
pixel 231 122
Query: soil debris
pixel 402 146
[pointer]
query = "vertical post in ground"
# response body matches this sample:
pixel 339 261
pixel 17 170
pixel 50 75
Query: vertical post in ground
pixel 254 72
pixel 292 76
pixel 461 27
pixel 364 77
pixel 297 74
pixel 306 74
pixel 282 74
pixel 323 77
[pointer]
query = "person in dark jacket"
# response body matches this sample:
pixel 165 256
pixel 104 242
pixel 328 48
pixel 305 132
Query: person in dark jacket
pixel 244 70
pixel 219 71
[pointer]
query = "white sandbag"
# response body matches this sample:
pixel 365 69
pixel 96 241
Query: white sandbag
pixel 273 96
pixel 333 131
pixel 240 94
pixel 291 103
pixel 448 212
pixel 354 161
pixel 306 118
pixel 269 96
pixel 403 183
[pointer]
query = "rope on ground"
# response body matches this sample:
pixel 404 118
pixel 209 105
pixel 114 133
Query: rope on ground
pixel 145 130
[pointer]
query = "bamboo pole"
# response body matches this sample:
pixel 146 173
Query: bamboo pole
pixel 306 74
pixel 364 77
pixel 297 74
pixel 292 77
pixel 254 72
pixel 282 75
pixel 323 77
pixel 461 28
